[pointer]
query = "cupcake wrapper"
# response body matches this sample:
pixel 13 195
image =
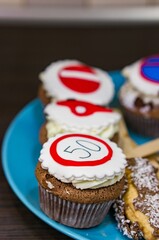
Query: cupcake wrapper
pixel 77 215
pixel 145 126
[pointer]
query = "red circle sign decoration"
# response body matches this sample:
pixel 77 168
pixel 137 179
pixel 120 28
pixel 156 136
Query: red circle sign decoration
pixel 79 78
pixel 86 144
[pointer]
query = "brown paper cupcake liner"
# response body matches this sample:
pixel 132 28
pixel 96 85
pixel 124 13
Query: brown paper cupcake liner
pixel 77 215
pixel 145 126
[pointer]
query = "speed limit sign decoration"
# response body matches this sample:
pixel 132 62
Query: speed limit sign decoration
pixel 80 155
pixel 80 150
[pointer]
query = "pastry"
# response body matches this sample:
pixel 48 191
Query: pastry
pixel 137 208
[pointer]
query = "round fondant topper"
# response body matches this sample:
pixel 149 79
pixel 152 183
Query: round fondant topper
pixel 80 150
pixel 79 78
pixel 150 69
pixel 71 79
pixel 144 75
pixel 81 157
pixel 80 114
pixel 81 108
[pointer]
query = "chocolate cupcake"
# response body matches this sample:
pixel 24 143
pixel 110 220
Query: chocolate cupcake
pixel 71 79
pixel 139 96
pixel 79 116
pixel 79 178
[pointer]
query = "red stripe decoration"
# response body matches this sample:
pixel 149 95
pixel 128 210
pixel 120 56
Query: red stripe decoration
pixel 89 108
pixel 73 79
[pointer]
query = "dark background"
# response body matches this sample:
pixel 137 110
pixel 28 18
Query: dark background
pixel 24 52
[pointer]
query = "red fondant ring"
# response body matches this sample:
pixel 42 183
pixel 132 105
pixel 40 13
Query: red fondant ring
pixel 66 162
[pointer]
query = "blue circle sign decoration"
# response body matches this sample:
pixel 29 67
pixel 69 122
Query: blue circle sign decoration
pixel 150 69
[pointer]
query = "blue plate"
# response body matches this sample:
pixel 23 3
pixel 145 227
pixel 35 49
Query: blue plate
pixel 20 152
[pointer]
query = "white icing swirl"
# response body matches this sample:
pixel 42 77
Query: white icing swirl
pixel 97 183
pixel 85 176
pixel 53 128
pixel 56 89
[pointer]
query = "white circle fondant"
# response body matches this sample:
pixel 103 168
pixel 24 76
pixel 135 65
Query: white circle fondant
pixel 144 82
pixel 71 79
pixel 80 149
pixel 90 158
pixel 80 109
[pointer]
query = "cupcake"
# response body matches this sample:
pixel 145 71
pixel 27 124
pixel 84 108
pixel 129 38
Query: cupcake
pixel 71 79
pixel 79 116
pixel 139 96
pixel 79 178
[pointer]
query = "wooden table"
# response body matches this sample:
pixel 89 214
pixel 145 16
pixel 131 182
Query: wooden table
pixel 24 52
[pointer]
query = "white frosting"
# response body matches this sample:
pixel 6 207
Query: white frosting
pixel 54 128
pixel 138 80
pixel 97 119
pixel 128 95
pixel 97 183
pixel 50 185
pixel 102 94
pixel 83 150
